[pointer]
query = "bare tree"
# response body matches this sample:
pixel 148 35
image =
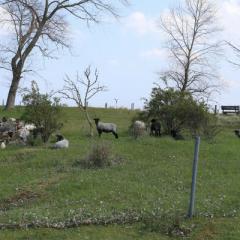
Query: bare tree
pixel 38 25
pixel 82 90
pixel 236 52
pixel 191 40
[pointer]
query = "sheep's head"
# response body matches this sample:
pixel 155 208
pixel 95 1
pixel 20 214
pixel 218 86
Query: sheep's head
pixel 96 120
pixel 237 132
pixel 153 120
pixel 59 137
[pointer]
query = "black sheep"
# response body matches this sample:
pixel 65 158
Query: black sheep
pixel 237 132
pixel 155 128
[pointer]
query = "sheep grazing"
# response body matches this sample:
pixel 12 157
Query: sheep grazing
pixel 61 142
pixel 138 128
pixel 106 127
pixel 155 128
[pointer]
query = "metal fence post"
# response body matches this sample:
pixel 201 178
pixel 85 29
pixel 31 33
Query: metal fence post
pixel 194 178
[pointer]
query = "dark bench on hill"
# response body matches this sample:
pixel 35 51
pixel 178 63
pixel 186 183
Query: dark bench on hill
pixel 230 109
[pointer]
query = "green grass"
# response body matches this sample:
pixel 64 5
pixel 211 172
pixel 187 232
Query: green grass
pixel 153 183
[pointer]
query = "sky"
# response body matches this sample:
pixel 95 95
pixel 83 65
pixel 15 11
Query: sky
pixel 128 53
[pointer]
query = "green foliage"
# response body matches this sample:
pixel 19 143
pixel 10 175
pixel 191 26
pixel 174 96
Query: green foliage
pixel 154 182
pixel 42 111
pixel 177 111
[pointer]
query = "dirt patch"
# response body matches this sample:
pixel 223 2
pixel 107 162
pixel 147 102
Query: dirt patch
pixel 19 199
pixel 208 232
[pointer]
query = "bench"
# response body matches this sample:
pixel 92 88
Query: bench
pixel 230 109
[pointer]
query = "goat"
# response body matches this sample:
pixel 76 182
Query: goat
pixel 61 142
pixel 105 127
pixel 155 128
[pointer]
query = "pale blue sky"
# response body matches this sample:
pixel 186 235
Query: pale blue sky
pixel 128 53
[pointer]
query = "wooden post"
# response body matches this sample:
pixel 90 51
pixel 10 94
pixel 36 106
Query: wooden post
pixel 194 178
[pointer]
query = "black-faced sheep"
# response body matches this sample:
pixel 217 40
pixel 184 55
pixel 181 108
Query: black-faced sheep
pixel 106 127
pixel 237 132
pixel 155 128
pixel 61 142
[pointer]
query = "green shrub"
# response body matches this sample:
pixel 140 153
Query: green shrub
pixel 41 110
pixel 178 111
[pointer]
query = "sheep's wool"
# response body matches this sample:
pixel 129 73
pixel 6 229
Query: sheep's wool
pixel 3 145
pixel 107 126
pixel 23 134
pixel 139 125
pixel 62 144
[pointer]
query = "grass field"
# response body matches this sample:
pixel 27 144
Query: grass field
pixel 146 197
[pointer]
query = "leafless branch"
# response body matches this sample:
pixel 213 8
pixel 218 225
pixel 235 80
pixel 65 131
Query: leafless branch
pixel 43 26
pixel 191 30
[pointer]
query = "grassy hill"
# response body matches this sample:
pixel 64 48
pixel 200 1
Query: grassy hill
pixel 145 197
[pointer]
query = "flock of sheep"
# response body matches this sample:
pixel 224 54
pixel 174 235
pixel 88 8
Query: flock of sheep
pixel 138 128
pixel 14 130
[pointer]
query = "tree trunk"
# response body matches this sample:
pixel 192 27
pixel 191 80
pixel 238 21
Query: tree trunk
pixel 12 93
pixel 89 122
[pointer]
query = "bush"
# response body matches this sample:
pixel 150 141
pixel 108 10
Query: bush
pixel 41 110
pixel 177 111
pixel 100 156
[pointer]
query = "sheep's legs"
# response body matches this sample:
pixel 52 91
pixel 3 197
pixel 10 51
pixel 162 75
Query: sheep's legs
pixel 99 133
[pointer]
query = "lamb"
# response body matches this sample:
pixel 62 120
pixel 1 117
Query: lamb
pixel 138 128
pixel 155 128
pixel 106 127
pixel 61 142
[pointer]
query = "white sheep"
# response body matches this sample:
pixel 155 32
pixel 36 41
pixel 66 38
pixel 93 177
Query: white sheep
pixel 12 120
pixel 23 134
pixel 30 127
pixel 3 145
pixel 61 142
pixel 106 127
pixel 25 131
pixel 138 128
